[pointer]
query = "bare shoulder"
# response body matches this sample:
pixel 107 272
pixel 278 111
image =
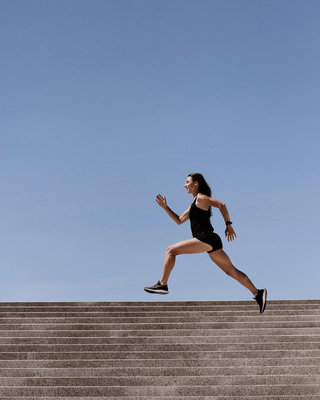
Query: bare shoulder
pixel 202 199
pixel 205 201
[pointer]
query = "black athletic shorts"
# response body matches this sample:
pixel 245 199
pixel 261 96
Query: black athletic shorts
pixel 213 239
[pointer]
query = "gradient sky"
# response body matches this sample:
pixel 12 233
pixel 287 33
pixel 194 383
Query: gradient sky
pixel 104 104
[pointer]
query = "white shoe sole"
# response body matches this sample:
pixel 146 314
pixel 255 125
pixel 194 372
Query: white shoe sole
pixel 156 291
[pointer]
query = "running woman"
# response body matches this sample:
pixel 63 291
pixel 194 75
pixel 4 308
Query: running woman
pixel 204 239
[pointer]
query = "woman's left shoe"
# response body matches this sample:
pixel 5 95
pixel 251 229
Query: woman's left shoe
pixel 157 288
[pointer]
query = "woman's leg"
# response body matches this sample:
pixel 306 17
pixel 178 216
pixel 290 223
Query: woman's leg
pixel 223 261
pixel 190 246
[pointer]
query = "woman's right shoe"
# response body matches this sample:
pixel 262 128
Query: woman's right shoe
pixel 261 299
pixel 157 288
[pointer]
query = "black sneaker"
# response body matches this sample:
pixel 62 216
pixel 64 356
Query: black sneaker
pixel 261 299
pixel 157 288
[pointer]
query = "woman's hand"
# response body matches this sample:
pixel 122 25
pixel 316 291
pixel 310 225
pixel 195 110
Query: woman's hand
pixel 161 201
pixel 230 233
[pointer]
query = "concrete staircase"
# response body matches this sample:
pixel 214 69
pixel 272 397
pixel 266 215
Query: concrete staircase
pixel 160 350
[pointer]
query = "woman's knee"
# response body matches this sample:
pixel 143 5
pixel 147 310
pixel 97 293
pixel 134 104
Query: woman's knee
pixel 238 275
pixel 171 251
pixel 231 271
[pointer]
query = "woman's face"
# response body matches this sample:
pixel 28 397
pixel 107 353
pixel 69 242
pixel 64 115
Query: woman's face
pixel 191 186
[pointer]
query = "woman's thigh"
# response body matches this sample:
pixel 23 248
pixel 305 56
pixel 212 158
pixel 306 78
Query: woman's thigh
pixel 189 246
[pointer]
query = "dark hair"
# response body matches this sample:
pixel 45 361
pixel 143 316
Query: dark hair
pixel 204 188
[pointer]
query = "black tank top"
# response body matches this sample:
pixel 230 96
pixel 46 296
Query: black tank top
pixel 199 221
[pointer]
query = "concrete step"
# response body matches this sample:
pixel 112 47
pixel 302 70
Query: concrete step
pixel 151 313
pixel 149 333
pixel 156 320
pixel 160 363
pixel 161 371
pixel 196 350
pixel 157 327
pixel 162 303
pixel 163 340
pixel 172 355
pixel 206 348
pixel 265 397
pixel 167 381
pixel 165 391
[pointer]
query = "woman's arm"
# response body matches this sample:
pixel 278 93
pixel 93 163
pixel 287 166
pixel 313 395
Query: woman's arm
pixel 177 219
pixel 205 202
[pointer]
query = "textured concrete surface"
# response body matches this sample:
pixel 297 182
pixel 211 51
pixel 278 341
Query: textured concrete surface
pixel 160 350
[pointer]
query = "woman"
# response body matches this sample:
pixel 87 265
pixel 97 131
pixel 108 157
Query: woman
pixel 204 239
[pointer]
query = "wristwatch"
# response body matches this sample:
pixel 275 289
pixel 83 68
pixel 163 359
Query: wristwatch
pixel 228 223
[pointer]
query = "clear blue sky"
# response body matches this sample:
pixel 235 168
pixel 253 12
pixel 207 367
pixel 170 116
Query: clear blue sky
pixel 104 104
